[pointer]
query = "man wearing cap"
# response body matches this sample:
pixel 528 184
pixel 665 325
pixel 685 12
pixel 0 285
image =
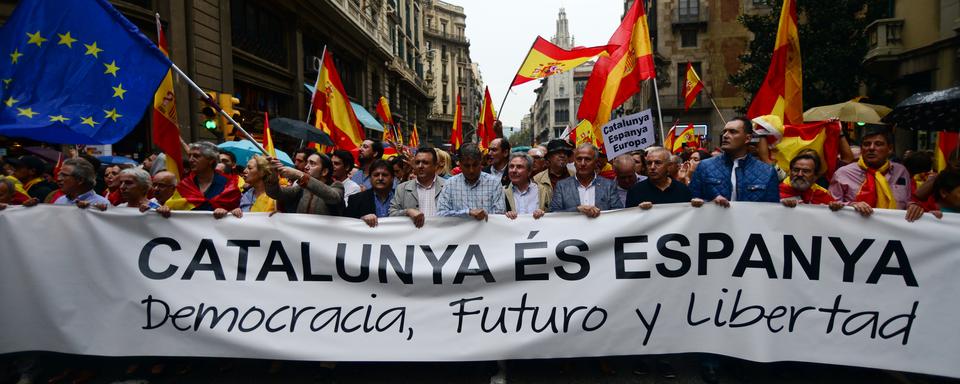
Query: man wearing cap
pixel 29 170
pixel 539 156
pixel 874 181
pixel 557 153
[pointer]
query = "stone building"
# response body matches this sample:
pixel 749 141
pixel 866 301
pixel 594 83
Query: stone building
pixel 264 53
pixel 449 72
pixel 917 47
pixel 705 33
pixel 557 99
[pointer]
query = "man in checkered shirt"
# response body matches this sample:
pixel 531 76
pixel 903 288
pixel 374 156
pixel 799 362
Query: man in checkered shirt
pixel 472 192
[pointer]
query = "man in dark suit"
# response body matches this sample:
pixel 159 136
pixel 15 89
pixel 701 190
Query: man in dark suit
pixel 499 152
pixel 374 202
pixel 585 192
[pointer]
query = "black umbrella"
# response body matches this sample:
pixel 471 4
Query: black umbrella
pixel 300 130
pixel 929 111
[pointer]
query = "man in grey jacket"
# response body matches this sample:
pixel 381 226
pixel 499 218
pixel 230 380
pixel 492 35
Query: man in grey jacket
pixel 312 190
pixel 585 192
pixel 417 198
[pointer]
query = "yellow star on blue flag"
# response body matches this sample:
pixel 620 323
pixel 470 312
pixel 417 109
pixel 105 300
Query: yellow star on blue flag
pixel 60 87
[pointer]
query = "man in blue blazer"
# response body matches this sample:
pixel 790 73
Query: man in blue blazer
pixel 586 192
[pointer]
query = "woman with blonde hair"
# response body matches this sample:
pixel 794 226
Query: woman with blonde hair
pixel 254 198
pixel 444 163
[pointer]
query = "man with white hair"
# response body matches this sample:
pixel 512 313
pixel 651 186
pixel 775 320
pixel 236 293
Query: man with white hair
pixel 134 184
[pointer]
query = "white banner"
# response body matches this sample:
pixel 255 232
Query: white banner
pixel 755 281
pixel 628 133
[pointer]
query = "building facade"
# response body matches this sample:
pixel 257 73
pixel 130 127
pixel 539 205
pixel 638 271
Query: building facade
pixel 264 53
pixel 705 33
pixel 917 46
pixel 449 72
pixel 557 100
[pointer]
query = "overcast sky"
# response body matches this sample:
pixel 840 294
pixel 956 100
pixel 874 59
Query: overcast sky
pixel 501 31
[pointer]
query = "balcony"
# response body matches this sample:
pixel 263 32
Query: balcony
pixel 689 17
pixel 433 32
pixel 885 40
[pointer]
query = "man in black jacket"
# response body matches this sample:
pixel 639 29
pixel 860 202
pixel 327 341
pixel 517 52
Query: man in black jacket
pixel 374 202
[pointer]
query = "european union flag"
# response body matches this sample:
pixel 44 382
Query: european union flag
pixel 75 72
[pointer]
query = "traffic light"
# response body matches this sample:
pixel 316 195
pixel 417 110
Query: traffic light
pixel 209 114
pixel 229 105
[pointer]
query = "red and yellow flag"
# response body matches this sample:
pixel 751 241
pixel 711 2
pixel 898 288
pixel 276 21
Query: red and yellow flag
pixel 546 59
pixel 456 134
pixel 485 132
pixel 670 137
pixel 617 77
pixel 584 132
pixel 414 137
pixel 267 137
pixel 823 137
pixel 334 114
pixel 390 131
pixel 166 134
pixel 691 87
pixel 781 92
pixel 947 143
pixel 688 137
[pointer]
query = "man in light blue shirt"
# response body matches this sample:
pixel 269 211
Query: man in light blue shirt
pixel 472 192
pixel 76 179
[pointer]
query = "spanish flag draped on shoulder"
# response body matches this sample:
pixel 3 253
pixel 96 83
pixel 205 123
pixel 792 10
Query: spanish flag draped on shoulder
pixel 166 134
pixel 546 59
pixel 334 113
pixel 781 93
pixel 456 133
pixel 617 77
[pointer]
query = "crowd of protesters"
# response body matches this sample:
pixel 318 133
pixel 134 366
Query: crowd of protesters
pixel 429 182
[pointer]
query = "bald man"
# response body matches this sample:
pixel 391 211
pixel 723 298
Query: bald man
pixel 626 169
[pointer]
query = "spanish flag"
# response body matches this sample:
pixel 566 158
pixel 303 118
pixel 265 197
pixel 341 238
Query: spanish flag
pixel 670 137
pixel 691 87
pixel 946 144
pixel 456 134
pixel 485 132
pixel 823 137
pixel 585 133
pixel 617 77
pixel 267 137
pixel 688 137
pixel 166 134
pixel 781 92
pixel 414 137
pixel 333 110
pixel 546 59
pixel 389 127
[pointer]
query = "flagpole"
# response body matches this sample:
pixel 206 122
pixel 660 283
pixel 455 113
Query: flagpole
pixel 723 119
pixel 209 100
pixel 656 94
pixel 323 54
pixel 505 95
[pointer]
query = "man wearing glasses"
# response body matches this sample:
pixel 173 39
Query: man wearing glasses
pixel 801 186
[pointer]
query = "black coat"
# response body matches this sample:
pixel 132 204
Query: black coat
pixel 361 204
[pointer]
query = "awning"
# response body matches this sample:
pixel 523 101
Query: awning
pixel 366 119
